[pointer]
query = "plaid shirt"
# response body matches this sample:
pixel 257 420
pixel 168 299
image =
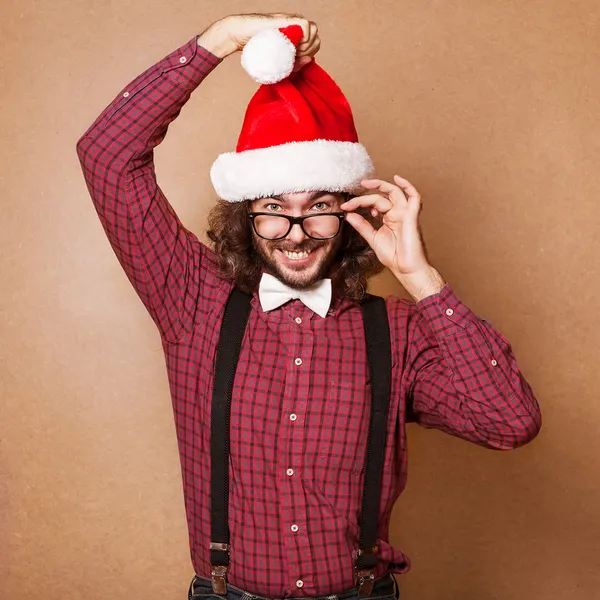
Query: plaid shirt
pixel 299 415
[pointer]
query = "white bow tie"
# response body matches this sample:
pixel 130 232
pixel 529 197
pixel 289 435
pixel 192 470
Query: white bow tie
pixel 273 293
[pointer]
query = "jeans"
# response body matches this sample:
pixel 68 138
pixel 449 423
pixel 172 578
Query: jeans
pixel 384 588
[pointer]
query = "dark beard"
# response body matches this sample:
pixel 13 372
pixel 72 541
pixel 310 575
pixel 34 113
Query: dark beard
pixel 274 268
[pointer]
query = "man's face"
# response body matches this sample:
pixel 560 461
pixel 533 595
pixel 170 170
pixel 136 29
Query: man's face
pixel 298 270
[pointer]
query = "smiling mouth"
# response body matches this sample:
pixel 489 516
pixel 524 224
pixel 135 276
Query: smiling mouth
pixel 298 258
pixel 296 255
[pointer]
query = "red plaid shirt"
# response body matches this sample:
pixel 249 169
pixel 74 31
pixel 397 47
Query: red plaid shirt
pixel 299 414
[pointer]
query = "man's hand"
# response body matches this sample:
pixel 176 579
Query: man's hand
pixel 398 243
pixel 231 34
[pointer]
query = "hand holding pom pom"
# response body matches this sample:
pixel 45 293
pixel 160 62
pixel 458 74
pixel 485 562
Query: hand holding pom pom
pixel 273 54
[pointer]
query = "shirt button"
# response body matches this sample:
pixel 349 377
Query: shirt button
pixel 494 363
pixel 299 583
pixel 182 59
pixel 298 361
pixel 298 320
pixel 126 94
pixel 294 528
pixel 293 417
pixel 449 312
pixel 290 472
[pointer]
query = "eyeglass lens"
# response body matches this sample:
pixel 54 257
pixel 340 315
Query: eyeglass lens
pixel 317 226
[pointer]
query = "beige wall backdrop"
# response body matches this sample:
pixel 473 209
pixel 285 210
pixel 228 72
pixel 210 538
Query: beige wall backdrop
pixel 490 108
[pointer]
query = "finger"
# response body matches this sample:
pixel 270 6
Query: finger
pixel 414 198
pixel 309 37
pixel 407 187
pixel 288 16
pixel 366 230
pixel 381 203
pixel 383 186
pixel 312 49
pixel 278 20
pixel 393 192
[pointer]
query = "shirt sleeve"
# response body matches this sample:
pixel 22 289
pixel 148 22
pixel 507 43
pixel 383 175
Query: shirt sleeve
pixel 462 378
pixel 171 270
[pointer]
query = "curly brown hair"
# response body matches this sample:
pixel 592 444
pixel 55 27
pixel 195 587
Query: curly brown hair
pixel 231 234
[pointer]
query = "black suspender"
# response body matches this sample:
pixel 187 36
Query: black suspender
pixel 228 353
pixel 379 355
pixel 377 336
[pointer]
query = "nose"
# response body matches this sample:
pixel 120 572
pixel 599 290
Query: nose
pixel 296 234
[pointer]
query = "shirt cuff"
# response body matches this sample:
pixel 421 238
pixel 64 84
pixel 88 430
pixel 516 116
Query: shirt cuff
pixel 445 312
pixel 190 63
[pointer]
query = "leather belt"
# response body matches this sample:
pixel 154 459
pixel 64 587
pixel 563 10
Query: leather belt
pixel 383 586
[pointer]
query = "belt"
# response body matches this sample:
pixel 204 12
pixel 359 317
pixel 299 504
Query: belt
pixel 384 586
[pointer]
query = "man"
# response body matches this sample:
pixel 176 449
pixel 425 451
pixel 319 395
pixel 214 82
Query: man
pixel 290 230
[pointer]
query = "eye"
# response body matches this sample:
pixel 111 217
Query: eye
pixel 321 206
pixel 272 206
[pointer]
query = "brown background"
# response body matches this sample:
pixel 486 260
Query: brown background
pixel 490 108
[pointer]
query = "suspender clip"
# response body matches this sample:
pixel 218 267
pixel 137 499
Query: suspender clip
pixel 365 580
pixel 218 577
pixel 219 546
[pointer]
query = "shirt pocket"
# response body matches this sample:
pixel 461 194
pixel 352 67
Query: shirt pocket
pixel 344 426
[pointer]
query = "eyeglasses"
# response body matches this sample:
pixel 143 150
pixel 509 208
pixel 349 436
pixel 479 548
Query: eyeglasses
pixel 323 226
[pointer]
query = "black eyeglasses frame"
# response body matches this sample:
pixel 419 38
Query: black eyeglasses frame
pixel 296 220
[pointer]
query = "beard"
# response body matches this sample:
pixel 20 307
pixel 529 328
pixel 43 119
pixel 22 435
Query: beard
pixel 299 277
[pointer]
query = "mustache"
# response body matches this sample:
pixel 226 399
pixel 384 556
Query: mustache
pixel 305 246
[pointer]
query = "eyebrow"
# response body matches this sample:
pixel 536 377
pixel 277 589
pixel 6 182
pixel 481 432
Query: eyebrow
pixel 313 196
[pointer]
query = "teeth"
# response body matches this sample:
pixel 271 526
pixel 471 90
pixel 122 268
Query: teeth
pixel 296 255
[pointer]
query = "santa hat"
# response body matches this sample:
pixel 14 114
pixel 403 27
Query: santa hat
pixel 298 134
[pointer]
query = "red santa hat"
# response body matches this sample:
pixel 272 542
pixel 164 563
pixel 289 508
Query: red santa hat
pixel 298 134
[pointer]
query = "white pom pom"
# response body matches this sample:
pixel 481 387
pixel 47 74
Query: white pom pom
pixel 269 56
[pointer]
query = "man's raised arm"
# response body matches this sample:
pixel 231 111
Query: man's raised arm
pixel 162 259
